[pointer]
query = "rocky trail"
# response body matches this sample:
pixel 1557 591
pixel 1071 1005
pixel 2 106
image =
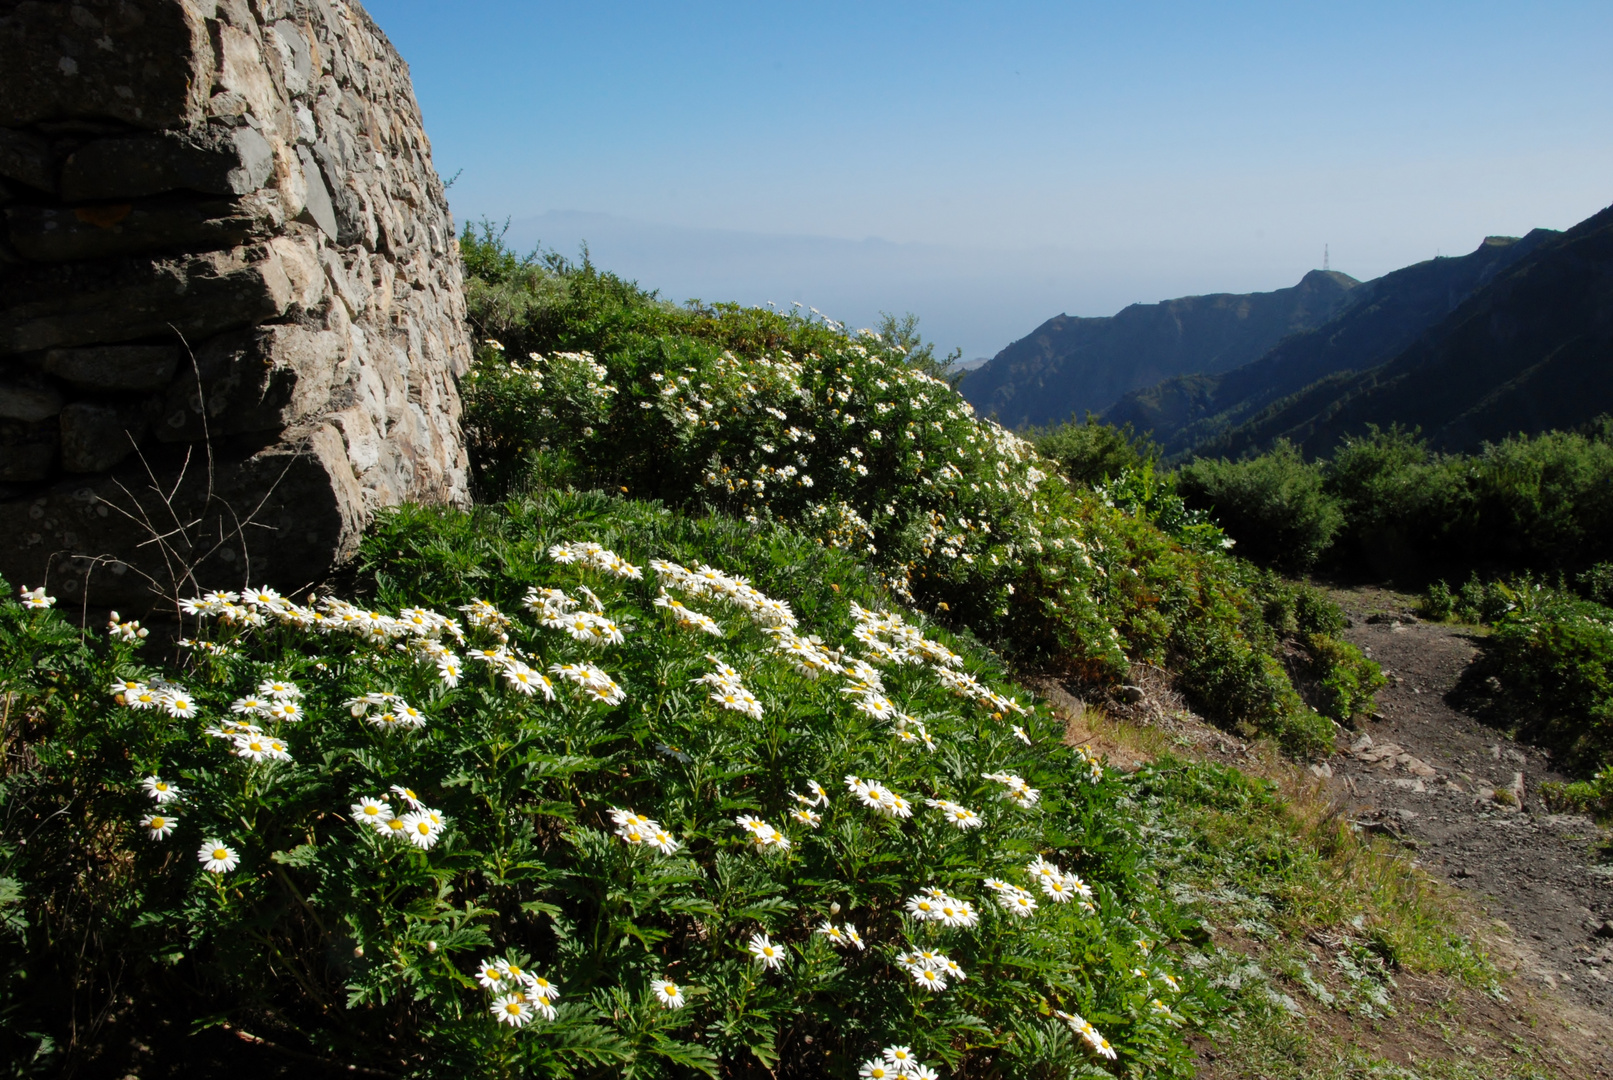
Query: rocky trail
pixel 1465 801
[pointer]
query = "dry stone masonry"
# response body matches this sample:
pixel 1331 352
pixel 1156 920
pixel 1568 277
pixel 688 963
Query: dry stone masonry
pixel 231 317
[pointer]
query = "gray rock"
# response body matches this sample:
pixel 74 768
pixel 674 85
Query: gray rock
pixel 27 159
pixel 213 161
pixel 97 436
pixel 26 462
pixel 87 304
pixel 318 209
pixel 251 380
pixel 148 64
pixel 28 403
pixel 110 368
pixel 1131 695
pixel 61 234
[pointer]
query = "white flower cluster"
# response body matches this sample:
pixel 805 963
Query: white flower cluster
pixel 896 1062
pixel 877 796
pixel 393 713
pixel 934 905
pixel 891 640
pixel 128 633
pixel 1015 789
pixel 708 581
pixel 589 554
pixel 686 617
pixel 171 698
pixel 519 995
pixel 557 611
pixel 1011 898
pixel 1058 885
pixel 420 825
pixel 930 969
pixel 728 691
pixel 845 935
pixel 1089 1034
pixel 637 830
pixel 960 816
pixel 763 835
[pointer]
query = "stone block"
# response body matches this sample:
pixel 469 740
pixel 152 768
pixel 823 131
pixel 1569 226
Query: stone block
pixel 95 436
pixel 285 515
pixel 27 159
pixel 251 380
pixel 114 368
pixel 213 161
pixel 317 210
pixel 46 307
pixel 148 64
pixel 107 230
pixel 27 452
pixel 28 403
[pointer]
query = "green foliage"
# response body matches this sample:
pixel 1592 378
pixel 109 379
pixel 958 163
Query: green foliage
pixel 774 417
pixel 1272 505
pixel 336 939
pixel 1541 503
pixel 1553 655
pixel 1092 452
pixel 1344 680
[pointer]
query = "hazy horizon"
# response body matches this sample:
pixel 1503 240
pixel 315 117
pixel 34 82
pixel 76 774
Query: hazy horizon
pixel 990 167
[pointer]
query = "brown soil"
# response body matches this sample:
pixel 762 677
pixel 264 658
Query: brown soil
pixel 1465 798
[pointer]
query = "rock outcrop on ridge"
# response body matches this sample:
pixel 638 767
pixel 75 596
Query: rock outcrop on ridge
pixel 231 316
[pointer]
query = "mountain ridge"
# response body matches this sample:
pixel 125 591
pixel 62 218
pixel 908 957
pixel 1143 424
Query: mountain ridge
pixel 1385 316
pixel 1072 364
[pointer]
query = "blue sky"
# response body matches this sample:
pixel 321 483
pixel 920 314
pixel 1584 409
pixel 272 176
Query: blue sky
pixel 990 165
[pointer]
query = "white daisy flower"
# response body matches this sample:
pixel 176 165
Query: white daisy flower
pixel 36 598
pixel 158 826
pixel 878 1069
pixel 177 703
pixel 217 858
pixel 284 709
pixel 372 812
pixel 252 705
pixel 421 830
pixel 835 935
pixel 900 1058
pixel 252 747
pixel 408 796
pixel 662 841
pixel 522 677
pixel 932 979
pixel 541 989
pixel 922 1072
pixel 160 789
pixel 514 1010
pixel 1019 733
pixel 489 974
pixel 810 818
pixel 667 992
pixel 279 689
pixel 126 686
pixel 144 698
pixel 924 908
pixel 449 670
pixel 767 954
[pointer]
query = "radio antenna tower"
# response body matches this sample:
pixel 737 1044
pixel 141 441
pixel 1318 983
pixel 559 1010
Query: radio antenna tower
pixel 1324 257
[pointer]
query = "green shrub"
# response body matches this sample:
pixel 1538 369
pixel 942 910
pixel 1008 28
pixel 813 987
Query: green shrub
pixel 784 418
pixel 1272 505
pixel 331 937
pixel 1344 679
pixel 1593 796
pixel 1553 655
pixel 1438 603
pixel 1596 584
pixel 1092 452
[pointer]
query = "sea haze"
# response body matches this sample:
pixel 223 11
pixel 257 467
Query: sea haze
pixel 977 299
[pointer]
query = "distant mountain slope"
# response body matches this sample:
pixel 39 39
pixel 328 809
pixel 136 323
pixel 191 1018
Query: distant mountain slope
pixel 1069 365
pixel 1385 316
pixel 1529 351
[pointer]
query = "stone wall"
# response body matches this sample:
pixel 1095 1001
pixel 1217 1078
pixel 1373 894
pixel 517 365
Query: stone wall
pixel 231 317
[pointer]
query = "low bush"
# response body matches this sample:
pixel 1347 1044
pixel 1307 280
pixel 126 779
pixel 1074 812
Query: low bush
pixel 1272 505
pixel 1341 678
pixel 1553 655
pixel 1092 452
pixel 785 418
pixel 415 832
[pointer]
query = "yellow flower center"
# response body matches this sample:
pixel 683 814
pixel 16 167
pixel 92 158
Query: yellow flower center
pixel 220 854
pixel 157 822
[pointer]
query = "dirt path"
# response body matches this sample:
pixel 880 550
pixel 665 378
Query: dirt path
pixel 1465 801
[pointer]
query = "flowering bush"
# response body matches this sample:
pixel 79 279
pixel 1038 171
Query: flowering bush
pixel 789 418
pixel 581 787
